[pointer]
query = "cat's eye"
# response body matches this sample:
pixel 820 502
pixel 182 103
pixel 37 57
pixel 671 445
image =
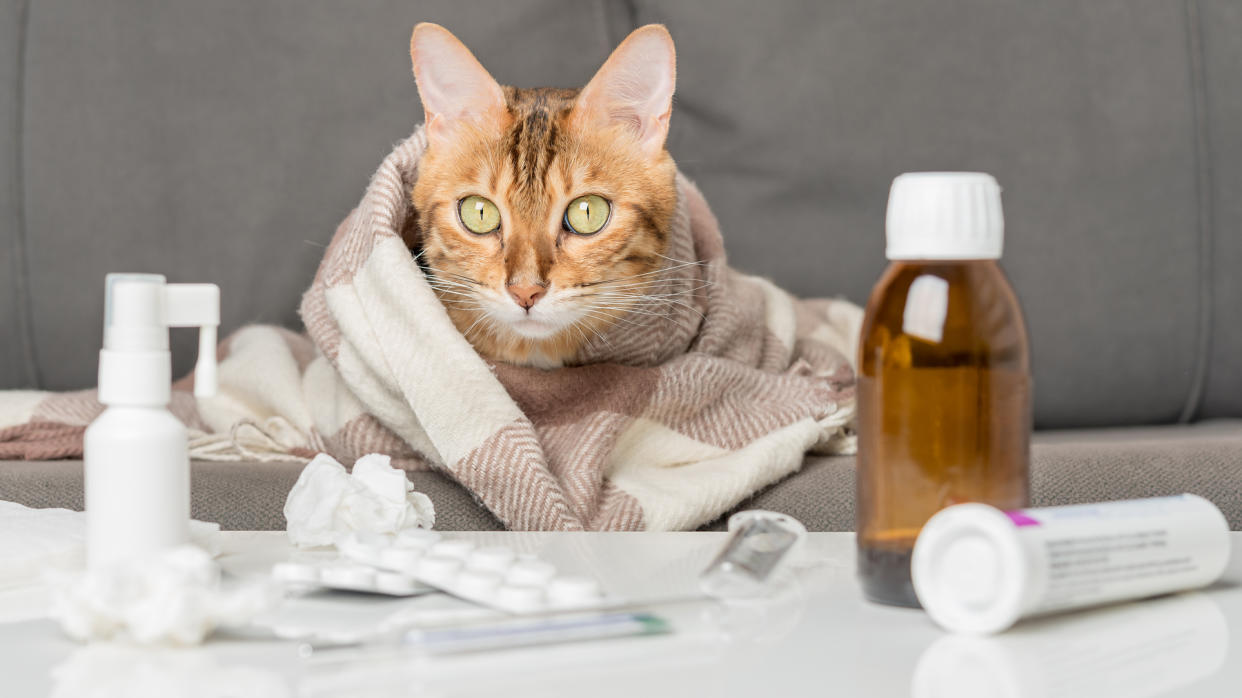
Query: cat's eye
pixel 587 214
pixel 478 215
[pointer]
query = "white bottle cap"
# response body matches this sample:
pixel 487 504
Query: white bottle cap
pixel 969 571
pixel 945 215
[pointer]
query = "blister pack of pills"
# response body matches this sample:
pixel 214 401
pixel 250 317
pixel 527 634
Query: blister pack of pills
pixel 417 561
pixel 347 576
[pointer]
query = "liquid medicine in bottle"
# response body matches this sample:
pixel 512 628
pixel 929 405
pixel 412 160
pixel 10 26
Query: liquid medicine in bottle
pixel 944 391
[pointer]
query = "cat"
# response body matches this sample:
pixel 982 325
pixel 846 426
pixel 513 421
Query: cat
pixel 541 216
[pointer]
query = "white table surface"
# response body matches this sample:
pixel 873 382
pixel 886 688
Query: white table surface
pixel 818 638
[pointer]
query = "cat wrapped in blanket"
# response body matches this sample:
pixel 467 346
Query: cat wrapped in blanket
pixel 549 229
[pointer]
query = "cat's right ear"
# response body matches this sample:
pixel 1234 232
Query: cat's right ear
pixel 634 88
pixel 454 87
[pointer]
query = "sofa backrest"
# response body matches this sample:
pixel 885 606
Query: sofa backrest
pixel 223 142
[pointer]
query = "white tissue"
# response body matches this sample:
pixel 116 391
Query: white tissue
pixel 34 542
pixel 327 503
pixel 174 598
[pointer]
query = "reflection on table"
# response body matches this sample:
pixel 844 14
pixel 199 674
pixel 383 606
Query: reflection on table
pixel 1137 650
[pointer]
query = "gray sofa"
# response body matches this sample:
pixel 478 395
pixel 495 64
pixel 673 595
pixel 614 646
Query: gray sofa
pixel 223 142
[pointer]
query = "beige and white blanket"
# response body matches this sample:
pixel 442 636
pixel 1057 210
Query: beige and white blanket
pixel 711 391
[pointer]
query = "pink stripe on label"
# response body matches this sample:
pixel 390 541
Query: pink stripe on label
pixel 1020 518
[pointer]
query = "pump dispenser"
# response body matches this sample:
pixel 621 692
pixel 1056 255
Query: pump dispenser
pixel 137 466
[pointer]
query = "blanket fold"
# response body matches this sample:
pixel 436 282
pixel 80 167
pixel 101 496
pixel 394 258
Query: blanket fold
pixel 713 388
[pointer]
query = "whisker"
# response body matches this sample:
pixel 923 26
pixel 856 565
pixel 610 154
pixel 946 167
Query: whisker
pixel 448 282
pixel 633 294
pixel 462 304
pixel 611 318
pixel 437 270
pixel 479 319
pixel 455 291
pixel 649 273
pixel 689 262
pixel 703 283
pixel 595 332
pixel 661 302
pixel 638 299
pixel 634 323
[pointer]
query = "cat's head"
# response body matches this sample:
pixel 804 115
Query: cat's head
pixel 542 214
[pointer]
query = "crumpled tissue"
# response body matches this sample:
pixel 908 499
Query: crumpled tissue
pixel 327 503
pixel 173 598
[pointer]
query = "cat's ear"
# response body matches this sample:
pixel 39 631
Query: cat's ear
pixel 452 84
pixel 634 89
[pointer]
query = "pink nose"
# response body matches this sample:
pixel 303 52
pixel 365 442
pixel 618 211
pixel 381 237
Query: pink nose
pixel 526 294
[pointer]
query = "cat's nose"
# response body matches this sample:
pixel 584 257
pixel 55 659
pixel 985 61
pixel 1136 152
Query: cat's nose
pixel 526 294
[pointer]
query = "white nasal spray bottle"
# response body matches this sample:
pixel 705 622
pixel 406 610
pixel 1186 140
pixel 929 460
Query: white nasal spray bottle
pixel 136 452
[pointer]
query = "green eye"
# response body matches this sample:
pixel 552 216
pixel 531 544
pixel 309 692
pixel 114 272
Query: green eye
pixel 478 214
pixel 587 214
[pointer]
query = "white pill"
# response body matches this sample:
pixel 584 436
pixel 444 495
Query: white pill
pixel 339 637
pixel 395 583
pixel 530 572
pixel 348 576
pixel 417 538
pixel 477 583
pixel 519 597
pixel 374 540
pixel 452 548
pixel 491 559
pixel 295 572
pixel 356 547
pixel 290 632
pixel 401 559
pixel 572 591
pixel 438 569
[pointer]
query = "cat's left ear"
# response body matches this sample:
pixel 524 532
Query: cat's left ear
pixel 454 87
pixel 634 88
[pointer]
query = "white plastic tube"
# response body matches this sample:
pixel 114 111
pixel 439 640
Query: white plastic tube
pixel 978 570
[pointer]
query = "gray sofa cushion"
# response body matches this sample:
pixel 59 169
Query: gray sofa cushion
pixel 1221 167
pixel 17 368
pixel 1068 468
pixel 224 141
pixel 238 496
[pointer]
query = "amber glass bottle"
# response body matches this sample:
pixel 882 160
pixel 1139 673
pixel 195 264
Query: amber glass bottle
pixel 944 397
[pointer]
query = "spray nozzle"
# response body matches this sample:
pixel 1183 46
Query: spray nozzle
pixel 197 305
pixel 138 310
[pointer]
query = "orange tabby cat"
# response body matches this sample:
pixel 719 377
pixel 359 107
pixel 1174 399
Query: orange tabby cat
pixel 542 214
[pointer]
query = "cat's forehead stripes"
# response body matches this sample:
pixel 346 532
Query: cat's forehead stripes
pixel 533 141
